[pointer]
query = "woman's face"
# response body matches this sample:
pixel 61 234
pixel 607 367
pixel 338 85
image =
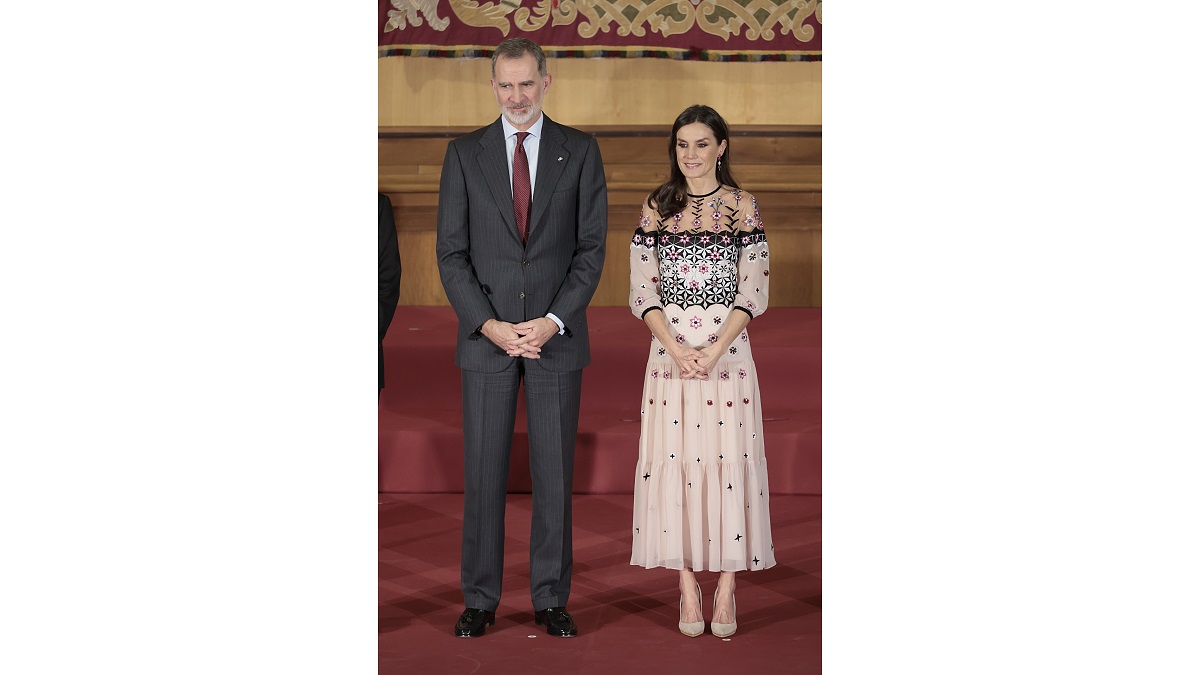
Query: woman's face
pixel 697 150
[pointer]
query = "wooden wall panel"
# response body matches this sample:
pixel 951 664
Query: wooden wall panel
pixel 431 92
pixel 420 283
pixel 767 145
pixel 779 165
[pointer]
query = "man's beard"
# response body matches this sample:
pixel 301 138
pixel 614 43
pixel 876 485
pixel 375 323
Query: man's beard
pixel 522 117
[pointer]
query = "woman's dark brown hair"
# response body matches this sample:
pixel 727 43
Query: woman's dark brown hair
pixel 671 197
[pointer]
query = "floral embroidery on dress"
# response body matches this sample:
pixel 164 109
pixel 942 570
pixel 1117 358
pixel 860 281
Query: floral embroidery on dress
pixel 699 269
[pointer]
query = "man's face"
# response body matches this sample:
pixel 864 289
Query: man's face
pixel 519 89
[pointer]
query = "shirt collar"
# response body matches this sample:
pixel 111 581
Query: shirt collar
pixel 535 130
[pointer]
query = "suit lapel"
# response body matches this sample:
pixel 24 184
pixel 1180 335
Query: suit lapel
pixel 493 162
pixel 552 157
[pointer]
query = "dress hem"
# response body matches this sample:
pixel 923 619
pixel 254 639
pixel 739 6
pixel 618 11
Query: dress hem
pixel 681 568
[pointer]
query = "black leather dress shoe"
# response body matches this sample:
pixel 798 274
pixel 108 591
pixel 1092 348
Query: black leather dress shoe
pixel 472 621
pixel 557 621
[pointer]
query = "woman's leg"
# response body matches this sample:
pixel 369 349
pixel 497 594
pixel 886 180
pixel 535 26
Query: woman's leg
pixel 691 610
pixel 724 610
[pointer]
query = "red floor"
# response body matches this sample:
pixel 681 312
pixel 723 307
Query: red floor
pixel 626 615
pixel 420 411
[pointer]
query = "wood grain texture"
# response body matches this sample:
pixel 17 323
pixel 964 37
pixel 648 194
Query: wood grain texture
pixel 780 165
pixel 432 92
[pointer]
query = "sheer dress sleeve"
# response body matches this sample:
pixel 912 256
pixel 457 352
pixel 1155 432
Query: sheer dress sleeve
pixel 754 271
pixel 644 294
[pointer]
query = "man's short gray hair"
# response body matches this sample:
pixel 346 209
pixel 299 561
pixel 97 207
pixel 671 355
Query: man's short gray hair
pixel 515 48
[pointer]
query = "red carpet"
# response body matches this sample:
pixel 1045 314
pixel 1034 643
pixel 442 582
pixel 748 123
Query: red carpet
pixel 626 615
pixel 420 434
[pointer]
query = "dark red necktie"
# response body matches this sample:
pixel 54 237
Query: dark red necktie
pixel 521 190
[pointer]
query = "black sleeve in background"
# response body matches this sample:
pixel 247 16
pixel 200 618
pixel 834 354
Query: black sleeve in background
pixel 389 265
pixel 389 273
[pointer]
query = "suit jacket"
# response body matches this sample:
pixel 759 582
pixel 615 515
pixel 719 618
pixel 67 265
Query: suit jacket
pixel 486 271
pixel 389 273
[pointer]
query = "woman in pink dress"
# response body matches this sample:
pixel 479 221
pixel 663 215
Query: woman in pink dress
pixel 698 274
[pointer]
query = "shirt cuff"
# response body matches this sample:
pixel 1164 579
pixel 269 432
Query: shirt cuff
pixel 561 328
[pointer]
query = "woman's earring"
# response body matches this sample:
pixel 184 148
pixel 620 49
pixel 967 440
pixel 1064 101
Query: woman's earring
pixel 718 163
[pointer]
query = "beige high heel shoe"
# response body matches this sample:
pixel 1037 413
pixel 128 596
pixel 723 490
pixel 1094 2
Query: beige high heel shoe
pixel 724 630
pixel 692 628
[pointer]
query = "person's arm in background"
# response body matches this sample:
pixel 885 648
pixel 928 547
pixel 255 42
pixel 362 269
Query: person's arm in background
pixel 389 265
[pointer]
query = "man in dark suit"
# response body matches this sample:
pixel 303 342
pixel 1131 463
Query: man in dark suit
pixel 522 220
pixel 389 274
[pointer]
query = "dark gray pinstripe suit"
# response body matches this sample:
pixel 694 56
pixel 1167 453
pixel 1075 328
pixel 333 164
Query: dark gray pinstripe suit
pixel 488 274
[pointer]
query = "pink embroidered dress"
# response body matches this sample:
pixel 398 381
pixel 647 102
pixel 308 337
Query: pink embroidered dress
pixel 700 496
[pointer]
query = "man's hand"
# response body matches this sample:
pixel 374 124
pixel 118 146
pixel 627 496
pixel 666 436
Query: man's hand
pixel 504 335
pixel 534 334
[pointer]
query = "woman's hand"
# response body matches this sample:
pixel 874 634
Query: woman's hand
pixel 686 359
pixel 706 359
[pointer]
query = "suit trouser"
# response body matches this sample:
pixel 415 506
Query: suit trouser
pixel 489 414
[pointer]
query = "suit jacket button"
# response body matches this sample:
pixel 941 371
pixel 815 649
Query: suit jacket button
pixel 522 295
pixel 525 263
